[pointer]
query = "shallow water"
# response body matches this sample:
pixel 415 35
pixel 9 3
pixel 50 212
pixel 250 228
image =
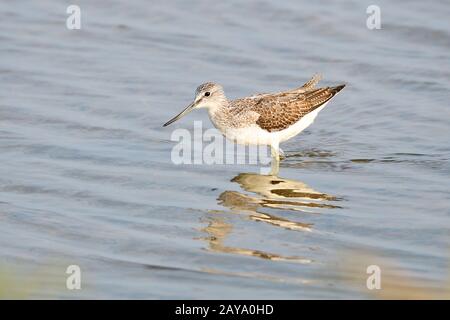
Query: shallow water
pixel 85 170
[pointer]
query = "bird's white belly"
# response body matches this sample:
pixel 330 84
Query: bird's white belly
pixel 250 135
pixel 254 135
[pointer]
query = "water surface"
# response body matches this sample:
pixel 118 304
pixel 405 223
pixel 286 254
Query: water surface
pixel 85 170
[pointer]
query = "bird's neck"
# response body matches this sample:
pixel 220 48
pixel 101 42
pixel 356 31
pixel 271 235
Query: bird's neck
pixel 218 107
pixel 219 114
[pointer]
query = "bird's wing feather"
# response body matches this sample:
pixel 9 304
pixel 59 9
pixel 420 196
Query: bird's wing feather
pixel 279 111
pixel 309 85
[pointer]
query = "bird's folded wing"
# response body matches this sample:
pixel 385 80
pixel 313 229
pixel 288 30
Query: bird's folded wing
pixel 280 111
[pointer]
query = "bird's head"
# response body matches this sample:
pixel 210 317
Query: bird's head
pixel 208 95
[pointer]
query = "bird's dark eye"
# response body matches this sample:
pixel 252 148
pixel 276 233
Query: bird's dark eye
pixel 207 94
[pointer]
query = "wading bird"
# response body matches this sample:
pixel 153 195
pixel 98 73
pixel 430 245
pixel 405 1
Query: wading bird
pixel 262 119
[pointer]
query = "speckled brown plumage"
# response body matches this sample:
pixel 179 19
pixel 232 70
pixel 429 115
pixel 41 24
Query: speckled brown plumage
pixel 279 111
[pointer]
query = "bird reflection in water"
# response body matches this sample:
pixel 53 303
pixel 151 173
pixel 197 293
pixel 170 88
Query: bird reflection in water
pixel 271 192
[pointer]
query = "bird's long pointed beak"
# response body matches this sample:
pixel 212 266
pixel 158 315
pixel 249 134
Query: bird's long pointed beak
pixel 188 109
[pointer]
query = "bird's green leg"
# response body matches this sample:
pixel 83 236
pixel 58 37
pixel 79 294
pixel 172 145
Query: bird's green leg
pixel 275 167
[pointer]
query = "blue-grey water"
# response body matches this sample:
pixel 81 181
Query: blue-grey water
pixel 86 176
